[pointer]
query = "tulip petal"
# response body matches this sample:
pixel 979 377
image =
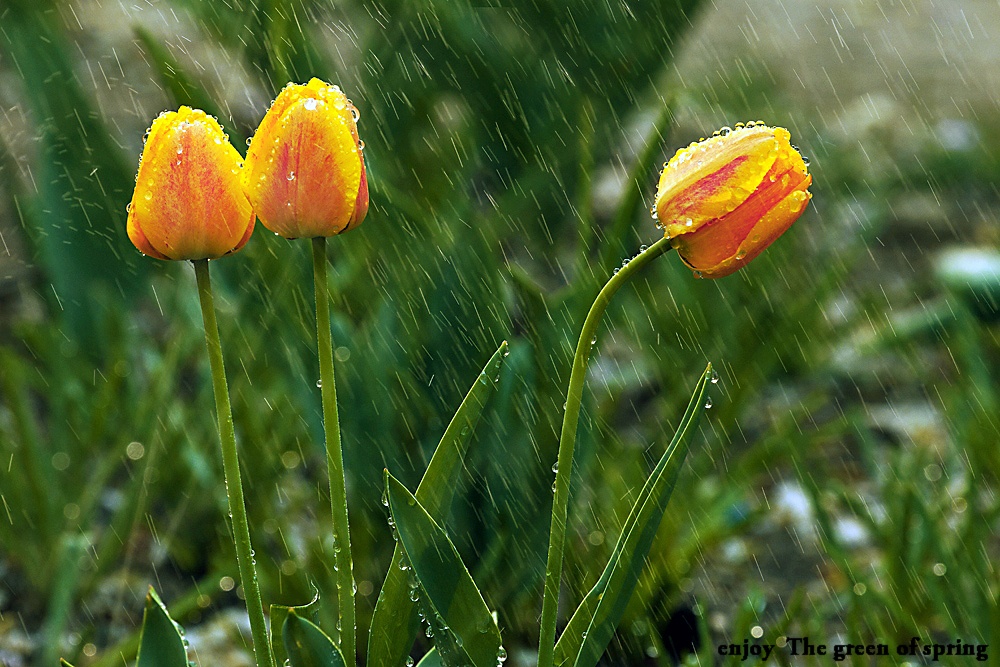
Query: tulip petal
pixel 188 203
pixel 731 243
pixel 361 203
pixel 305 173
pixel 139 239
pixel 711 178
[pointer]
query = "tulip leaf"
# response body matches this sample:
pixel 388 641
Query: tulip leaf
pixel 65 663
pixel 161 642
pixel 396 621
pixel 279 613
pixel 308 646
pixel 431 659
pixel 593 623
pixel 464 630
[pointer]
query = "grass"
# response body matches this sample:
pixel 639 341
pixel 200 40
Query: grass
pixel 484 227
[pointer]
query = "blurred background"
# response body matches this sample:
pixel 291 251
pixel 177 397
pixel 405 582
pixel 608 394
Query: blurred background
pixel 843 484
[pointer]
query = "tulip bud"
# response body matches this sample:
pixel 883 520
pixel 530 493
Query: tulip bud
pixel 188 203
pixel 305 172
pixel 723 200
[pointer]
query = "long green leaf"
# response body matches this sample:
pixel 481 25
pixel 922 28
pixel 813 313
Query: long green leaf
pixel 396 620
pixel 464 630
pixel 593 623
pixel 160 643
pixel 307 645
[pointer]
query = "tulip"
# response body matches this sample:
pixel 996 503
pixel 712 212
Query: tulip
pixel 188 203
pixel 721 201
pixel 305 170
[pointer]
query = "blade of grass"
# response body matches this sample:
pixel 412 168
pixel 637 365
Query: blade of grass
pixel 183 87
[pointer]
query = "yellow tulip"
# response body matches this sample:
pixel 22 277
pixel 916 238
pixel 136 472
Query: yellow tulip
pixel 724 199
pixel 188 203
pixel 305 170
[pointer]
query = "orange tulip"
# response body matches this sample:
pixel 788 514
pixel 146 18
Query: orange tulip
pixel 723 200
pixel 305 170
pixel 188 203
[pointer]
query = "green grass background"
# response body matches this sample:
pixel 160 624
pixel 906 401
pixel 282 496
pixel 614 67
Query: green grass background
pixel 843 484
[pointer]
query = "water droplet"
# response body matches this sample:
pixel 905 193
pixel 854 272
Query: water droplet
pixel 361 144
pixel 688 222
pixel 319 383
pixel 310 104
pixel 355 114
pixel 715 376
pixel 501 655
pixel 148 196
pixel 409 661
pixel 291 176
pixel 555 467
pixel 249 139
pixel 128 207
pixel 708 403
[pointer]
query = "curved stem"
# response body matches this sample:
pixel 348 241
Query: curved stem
pixel 231 466
pixel 334 456
pixel 567 442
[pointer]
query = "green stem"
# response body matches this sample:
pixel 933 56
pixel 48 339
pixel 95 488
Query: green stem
pixel 231 465
pixel 334 456
pixel 567 442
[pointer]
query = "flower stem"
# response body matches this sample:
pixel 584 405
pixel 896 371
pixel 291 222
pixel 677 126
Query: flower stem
pixel 334 456
pixel 567 442
pixel 231 465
